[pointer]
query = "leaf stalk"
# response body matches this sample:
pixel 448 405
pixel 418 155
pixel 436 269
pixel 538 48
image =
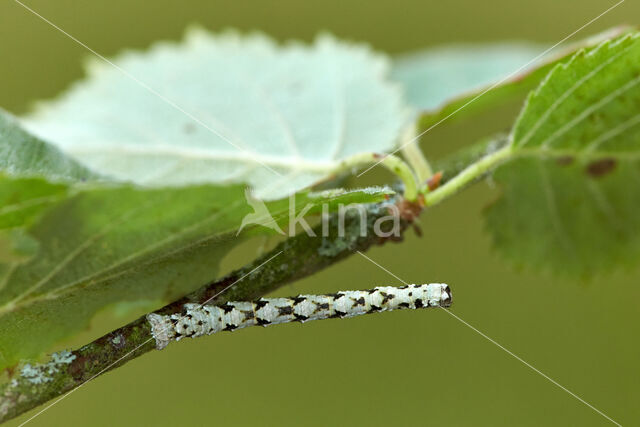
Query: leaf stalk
pixel 471 173
pixel 393 163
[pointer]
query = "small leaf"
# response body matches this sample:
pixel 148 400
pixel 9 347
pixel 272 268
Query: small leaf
pixel 435 76
pixel 570 200
pixel 235 109
pixel 454 82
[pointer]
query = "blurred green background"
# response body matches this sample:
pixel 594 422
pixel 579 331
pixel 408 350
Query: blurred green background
pixel 402 368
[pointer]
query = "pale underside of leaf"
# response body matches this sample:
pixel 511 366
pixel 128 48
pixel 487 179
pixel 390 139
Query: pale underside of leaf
pixel 435 76
pixel 231 109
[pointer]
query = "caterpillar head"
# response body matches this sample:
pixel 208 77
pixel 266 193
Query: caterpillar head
pixel 440 294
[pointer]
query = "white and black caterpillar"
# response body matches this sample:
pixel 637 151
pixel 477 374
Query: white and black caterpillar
pixel 197 320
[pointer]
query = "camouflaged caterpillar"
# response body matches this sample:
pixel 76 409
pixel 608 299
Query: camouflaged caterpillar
pixel 197 320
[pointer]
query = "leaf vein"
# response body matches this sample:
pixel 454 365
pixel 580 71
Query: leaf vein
pixel 138 254
pixel 74 254
pixel 588 111
pixel 26 204
pixel 545 117
pixel 195 153
pixel 552 208
pixel 621 128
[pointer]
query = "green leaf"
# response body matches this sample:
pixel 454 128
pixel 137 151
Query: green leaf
pixel 22 154
pixel 228 109
pixel 570 199
pixel 23 193
pixel 71 245
pixel 456 80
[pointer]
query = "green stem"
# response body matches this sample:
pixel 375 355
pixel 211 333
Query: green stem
pixel 389 161
pixel 418 162
pixel 466 176
pixel 412 153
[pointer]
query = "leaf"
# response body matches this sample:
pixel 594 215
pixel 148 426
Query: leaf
pixel 94 243
pixel 22 154
pixel 570 199
pixel 434 76
pixel 228 109
pixel 454 82
pixel 22 200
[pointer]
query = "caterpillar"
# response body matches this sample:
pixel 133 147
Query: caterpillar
pixel 196 320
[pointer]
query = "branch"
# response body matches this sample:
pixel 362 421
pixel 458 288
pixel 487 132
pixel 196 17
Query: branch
pixel 300 256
